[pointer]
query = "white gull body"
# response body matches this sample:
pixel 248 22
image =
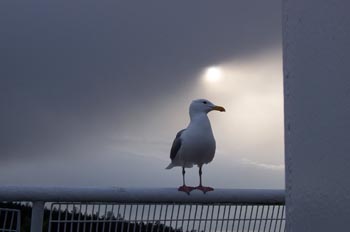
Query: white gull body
pixel 196 144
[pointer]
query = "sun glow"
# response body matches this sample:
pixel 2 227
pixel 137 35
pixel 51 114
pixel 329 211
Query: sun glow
pixel 213 74
pixel 250 88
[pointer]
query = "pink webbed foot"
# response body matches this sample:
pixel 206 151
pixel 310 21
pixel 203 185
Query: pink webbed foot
pixel 204 189
pixel 186 189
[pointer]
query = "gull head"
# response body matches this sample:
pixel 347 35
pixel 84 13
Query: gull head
pixel 204 106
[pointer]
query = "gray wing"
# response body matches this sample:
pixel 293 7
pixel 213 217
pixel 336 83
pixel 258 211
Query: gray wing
pixel 176 145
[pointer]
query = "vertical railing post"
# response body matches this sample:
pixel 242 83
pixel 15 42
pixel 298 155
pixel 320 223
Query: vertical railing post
pixel 18 225
pixel 37 216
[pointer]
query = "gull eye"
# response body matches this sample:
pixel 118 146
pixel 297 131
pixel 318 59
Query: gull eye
pixel 205 102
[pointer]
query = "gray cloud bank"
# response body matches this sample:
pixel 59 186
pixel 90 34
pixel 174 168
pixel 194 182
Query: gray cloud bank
pixel 78 77
pixel 71 69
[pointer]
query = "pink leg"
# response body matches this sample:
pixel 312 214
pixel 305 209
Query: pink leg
pixel 200 186
pixel 184 187
pixel 204 189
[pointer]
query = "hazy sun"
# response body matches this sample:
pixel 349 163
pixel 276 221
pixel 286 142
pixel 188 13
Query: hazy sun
pixel 213 74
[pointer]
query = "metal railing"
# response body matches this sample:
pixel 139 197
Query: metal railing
pixel 118 209
pixel 9 220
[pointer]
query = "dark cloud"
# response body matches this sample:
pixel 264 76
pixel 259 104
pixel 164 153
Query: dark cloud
pixel 70 69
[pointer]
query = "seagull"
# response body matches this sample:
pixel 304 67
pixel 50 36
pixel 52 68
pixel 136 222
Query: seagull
pixel 195 145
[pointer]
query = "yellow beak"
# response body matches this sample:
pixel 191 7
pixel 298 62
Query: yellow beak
pixel 219 108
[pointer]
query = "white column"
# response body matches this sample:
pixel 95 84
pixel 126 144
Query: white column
pixel 37 216
pixel 316 48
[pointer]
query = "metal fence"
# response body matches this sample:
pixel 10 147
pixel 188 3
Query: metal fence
pixel 10 220
pixel 136 210
pixel 166 217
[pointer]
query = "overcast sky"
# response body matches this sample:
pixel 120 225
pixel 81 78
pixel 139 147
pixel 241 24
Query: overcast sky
pixel 92 93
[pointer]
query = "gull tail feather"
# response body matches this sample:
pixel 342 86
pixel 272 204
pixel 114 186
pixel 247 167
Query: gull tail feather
pixel 170 166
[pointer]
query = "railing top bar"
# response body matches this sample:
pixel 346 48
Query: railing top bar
pixel 10 210
pixel 138 195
